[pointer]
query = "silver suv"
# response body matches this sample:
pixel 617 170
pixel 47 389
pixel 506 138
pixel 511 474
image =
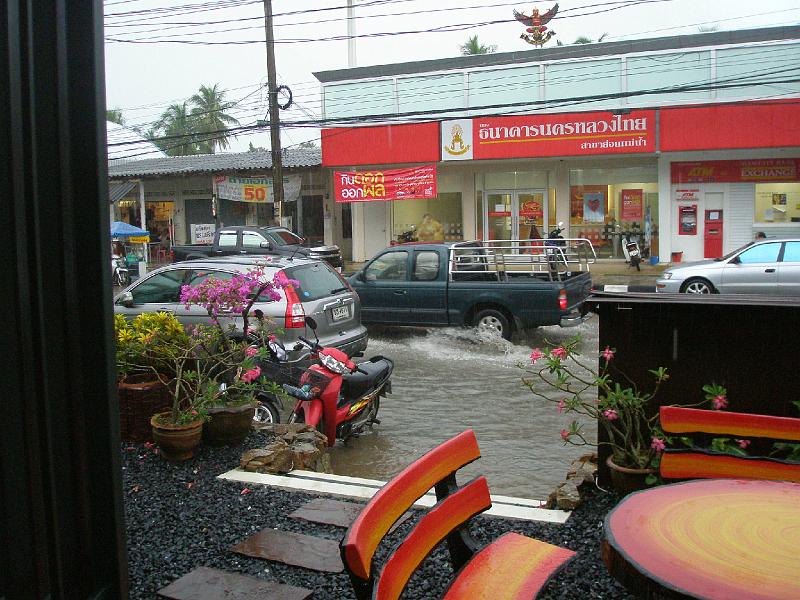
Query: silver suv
pixel 322 293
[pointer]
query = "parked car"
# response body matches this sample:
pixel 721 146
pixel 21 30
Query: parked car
pixel 474 284
pixel 765 266
pixel 258 241
pixel 321 293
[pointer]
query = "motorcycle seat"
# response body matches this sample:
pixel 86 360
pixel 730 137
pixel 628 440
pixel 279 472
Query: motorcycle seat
pixel 357 384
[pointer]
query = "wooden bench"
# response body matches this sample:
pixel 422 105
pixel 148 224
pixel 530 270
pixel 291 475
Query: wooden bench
pixel 512 567
pixel 703 463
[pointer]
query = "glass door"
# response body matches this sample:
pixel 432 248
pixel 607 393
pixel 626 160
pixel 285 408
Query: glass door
pixel 514 215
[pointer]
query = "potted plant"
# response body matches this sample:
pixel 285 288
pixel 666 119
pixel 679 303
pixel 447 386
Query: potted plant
pixel 143 375
pixel 622 408
pixel 231 377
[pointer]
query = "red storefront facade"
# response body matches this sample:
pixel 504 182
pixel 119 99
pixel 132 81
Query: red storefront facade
pixel 607 173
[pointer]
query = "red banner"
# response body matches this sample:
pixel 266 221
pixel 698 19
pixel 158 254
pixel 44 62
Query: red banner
pixel 737 171
pixel 385 184
pixel 573 134
pixel 632 203
pixel 383 145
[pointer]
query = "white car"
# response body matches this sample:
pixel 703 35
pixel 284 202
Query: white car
pixel 768 266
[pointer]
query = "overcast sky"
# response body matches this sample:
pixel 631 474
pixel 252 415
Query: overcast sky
pixel 142 79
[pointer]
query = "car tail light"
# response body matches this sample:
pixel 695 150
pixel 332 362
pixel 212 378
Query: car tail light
pixel 562 299
pixel 295 313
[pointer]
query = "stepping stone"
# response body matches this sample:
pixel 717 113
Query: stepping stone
pixel 205 583
pixel 310 552
pixel 334 512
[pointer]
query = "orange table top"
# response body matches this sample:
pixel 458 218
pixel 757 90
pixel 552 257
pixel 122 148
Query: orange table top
pixel 712 538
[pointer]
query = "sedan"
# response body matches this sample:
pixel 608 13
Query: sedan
pixel 769 266
pixel 320 292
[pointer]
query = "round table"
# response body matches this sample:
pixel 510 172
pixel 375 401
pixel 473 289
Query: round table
pixel 708 538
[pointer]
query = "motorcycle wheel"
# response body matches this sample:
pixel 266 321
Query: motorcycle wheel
pixel 266 414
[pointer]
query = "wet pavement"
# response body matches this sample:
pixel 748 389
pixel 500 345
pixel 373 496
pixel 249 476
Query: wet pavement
pixel 448 380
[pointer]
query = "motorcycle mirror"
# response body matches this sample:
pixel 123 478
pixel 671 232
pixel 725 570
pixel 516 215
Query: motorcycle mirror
pixel 311 323
pixel 298 346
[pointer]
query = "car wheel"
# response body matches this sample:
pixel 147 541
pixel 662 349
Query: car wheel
pixel 697 286
pixel 493 320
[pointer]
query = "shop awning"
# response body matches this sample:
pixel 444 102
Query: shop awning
pixel 120 229
pixel 119 189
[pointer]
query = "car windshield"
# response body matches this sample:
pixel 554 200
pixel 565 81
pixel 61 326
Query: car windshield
pixel 731 254
pixel 316 281
pixel 283 236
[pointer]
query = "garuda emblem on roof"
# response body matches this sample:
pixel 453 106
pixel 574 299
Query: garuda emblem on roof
pixel 537 33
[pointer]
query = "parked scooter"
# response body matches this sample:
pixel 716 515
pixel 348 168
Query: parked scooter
pixel 337 396
pixel 269 405
pixel 119 271
pixel 551 245
pixel 633 255
pixel 408 236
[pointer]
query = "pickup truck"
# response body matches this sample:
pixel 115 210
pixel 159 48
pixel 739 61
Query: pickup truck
pixel 260 241
pixel 504 286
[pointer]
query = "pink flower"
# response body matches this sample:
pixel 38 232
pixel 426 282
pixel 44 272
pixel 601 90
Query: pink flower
pixel 561 405
pixel 608 354
pixel 719 402
pixel 564 435
pixel 610 414
pixel 658 445
pixel 251 351
pixel 559 352
pixel 251 375
pixel 743 443
pixel 536 355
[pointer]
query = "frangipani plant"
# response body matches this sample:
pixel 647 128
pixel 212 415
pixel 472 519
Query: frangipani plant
pixel 622 407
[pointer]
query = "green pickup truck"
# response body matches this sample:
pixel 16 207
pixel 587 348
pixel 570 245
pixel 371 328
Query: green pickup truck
pixel 506 286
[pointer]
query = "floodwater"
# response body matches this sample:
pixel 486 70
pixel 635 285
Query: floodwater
pixel 449 380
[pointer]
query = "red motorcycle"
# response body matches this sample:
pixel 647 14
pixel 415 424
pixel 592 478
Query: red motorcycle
pixel 337 396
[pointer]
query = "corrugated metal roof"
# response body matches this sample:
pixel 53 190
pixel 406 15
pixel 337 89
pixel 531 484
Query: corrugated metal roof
pixel 117 191
pixel 557 53
pixel 213 163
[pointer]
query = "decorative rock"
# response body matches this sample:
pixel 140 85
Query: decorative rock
pixel 298 446
pixel 567 495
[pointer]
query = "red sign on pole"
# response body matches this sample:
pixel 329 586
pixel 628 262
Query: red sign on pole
pixel 632 205
pixel 385 184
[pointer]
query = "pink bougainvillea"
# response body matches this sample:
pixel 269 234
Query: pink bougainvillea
pixel 536 355
pixel 560 353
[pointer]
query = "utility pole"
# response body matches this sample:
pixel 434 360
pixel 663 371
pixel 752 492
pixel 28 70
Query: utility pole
pixel 274 116
pixel 351 34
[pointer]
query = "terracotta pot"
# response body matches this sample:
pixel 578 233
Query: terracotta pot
pixel 625 480
pixel 229 425
pixel 176 442
pixel 140 397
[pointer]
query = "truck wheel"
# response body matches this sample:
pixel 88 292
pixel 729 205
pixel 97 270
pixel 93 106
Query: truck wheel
pixel 493 320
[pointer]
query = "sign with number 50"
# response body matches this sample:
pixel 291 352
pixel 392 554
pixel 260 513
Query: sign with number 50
pixel 242 189
pixel 253 193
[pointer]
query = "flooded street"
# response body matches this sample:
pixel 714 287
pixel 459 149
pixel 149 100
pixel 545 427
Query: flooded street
pixel 448 380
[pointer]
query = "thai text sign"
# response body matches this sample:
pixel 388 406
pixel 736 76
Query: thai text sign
pixel 385 184
pixel 632 205
pixel 574 134
pixel 203 233
pixel 737 171
pixel 242 189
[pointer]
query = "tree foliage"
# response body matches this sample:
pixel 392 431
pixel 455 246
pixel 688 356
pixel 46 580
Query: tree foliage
pixel 473 46
pixel 115 116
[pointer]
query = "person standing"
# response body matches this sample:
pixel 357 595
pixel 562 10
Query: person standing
pixel 430 230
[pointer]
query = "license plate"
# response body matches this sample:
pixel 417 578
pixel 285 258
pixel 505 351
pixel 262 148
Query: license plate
pixel 340 313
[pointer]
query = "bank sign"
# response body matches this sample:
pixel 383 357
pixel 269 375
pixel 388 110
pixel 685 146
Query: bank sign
pixel 576 134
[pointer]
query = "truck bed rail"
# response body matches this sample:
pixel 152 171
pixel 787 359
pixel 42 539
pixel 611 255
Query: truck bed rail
pixel 503 260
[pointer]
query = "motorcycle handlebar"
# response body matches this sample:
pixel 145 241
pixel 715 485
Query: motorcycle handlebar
pixel 309 343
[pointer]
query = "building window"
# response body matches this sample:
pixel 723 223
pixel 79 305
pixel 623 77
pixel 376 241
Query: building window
pixel 608 205
pixel 438 220
pixel 777 203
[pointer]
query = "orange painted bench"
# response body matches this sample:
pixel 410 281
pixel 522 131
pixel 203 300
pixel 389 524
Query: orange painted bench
pixel 692 463
pixel 512 567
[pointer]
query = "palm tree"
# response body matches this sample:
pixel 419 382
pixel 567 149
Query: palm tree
pixel 473 46
pixel 115 116
pixel 175 121
pixel 209 118
pixel 587 40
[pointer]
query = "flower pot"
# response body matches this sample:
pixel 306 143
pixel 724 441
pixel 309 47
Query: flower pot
pixel 140 397
pixel 625 480
pixel 228 425
pixel 176 442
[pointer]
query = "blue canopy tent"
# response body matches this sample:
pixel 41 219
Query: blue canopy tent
pixel 120 229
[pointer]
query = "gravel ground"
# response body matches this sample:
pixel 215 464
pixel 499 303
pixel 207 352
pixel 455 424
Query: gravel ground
pixel 179 517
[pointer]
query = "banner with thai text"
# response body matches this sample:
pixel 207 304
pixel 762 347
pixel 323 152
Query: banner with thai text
pixel 632 205
pixel 574 134
pixel 385 184
pixel 761 170
pixel 255 189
